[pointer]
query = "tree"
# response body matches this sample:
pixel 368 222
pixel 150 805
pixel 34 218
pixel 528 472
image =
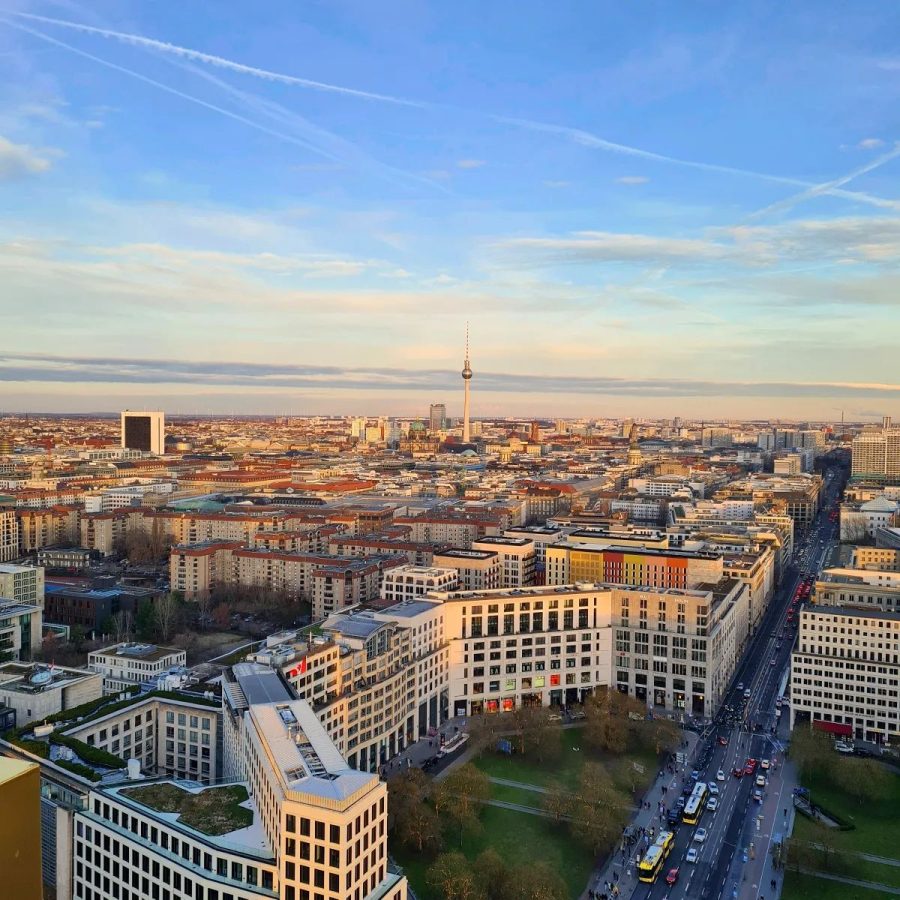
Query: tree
pixel 419 828
pixel 864 779
pixel 122 626
pixel 145 621
pixel 536 881
pixel 493 874
pixel 405 792
pixel 607 719
pixel 460 795
pixel 166 615
pixel 76 638
pixel 452 878
pixel 557 802
pixel 657 735
pixel 598 813
pixel 811 751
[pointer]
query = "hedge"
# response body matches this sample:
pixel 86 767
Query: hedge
pixel 93 755
pixel 38 748
pixel 85 709
pixel 79 769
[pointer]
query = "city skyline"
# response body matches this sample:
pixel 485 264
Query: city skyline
pixel 689 213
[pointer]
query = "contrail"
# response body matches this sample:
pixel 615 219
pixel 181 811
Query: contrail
pixel 575 135
pixel 827 187
pixel 300 142
pixel 266 74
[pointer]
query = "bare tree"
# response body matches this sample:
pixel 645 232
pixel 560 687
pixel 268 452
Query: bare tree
pixel 166 613
pixel 123 626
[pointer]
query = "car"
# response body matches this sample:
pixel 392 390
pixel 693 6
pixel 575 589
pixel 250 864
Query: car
pixel 712 804
pixel 764 764
pixel 738 772
pixel 672 818
pixel 713 788
pixel 578 714
pixel 720 775
pixel 680 802
pixel 750 764
pixel 761 781
pixel 773 662
pixel 747 694
pixel 695 775
pixel 773 633
pixel 740 685
pixel 722 741
pixel 700 835
pixel 554 718
pixel 692 855
pixel 757 795
pixel 672 876
pixel 749 770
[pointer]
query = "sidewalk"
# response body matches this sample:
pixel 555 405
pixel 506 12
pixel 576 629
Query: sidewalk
pixel 620 868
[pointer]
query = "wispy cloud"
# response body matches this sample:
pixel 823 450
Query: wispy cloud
pixel 33 367
pixel 871 143
pixel 556 185
pixel 573 135
pixel 21 161
pixel 470 163
pixel 632 179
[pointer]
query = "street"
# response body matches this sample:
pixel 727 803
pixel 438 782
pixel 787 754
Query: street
pixel 735 861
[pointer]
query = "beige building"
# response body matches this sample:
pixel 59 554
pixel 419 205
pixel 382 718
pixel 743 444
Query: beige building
pixel 412 582
pixel 876 455
pixel 24 584
pixel 9 535
pixel 38 691
pixel 196 569
pixel 20 630
pixel 177 738
pixel 845 671
pixel 478 569
pixel 885 559
pixel 125 665
pixel 857 587
pixel 43 528
pixel 517 557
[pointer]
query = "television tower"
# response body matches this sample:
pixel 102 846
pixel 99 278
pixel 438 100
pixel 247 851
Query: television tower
pixel 467 377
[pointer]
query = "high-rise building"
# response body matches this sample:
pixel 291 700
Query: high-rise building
pixel 876 455
pixel 467 377
pixel 437 417
pixel 20 829
pixel 145 431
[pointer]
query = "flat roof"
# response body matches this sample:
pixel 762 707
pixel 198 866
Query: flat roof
pixel 353 626
pixel 13 768
pixel 142 652
pixel 261 684
pixel 407 609
pixel 461 553
pixel 507 541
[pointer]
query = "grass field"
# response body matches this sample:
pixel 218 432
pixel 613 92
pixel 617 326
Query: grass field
pixel 877 827
pixel 521 837
pixel 805 887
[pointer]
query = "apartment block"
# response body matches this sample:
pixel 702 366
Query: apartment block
pixel 517 556
pixel 876 456
pixel 24 584
pixel 412 582
pixel 44 528
pixel 20 630
pixel 9 535
pixel 128 664
pixel 611 563
pixel 478 569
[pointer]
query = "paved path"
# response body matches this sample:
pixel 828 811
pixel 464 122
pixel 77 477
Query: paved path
pixel 881 860
pixel 869 885
pixel 519 784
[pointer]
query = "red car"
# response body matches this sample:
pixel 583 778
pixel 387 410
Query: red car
pixel 750 767
pixel 737 772
pixel 723 741
pixel 672 876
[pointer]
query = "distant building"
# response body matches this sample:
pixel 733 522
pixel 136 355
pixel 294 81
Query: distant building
pixel 437 417
pixel 9 535
pixel 20 629
pixel 876 456
pixel 144 431
pixel 20 829
pixel 411 582
pixel 38 691
pixel 24 584
pixel 478 569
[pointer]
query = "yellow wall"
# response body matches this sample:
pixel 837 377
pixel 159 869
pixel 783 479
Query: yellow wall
pixel 20 830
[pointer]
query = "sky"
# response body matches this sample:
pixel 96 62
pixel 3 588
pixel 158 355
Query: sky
pixel 639 208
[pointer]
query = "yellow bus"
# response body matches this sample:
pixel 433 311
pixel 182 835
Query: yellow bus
pixel 651 865
pixel 693 809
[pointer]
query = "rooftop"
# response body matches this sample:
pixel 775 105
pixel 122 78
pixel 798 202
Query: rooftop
pixel 143 652
pixel 407 609
pixel 261 684
pixel 461 553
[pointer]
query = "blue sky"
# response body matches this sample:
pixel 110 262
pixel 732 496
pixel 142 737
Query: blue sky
pixel 642 208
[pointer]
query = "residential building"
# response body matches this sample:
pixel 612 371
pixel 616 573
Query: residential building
pixel 876 456
pixel 196 569
pixel 24 584
pixel 20 630
pixel 478 569
pixel 614 563
pixel 412 582
pixel 145 431
pixel 9 535
pixel 885 559
pixel 517 557
pixel 59 558
pixel 53 526
pixel 20 829
pixel 127 664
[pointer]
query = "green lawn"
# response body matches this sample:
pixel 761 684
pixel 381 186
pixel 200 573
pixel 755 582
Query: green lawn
pixel 522 838
pixel 877 826
pixel 213 811
pixel 806 887
pixel 567 768
pixel 519 838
